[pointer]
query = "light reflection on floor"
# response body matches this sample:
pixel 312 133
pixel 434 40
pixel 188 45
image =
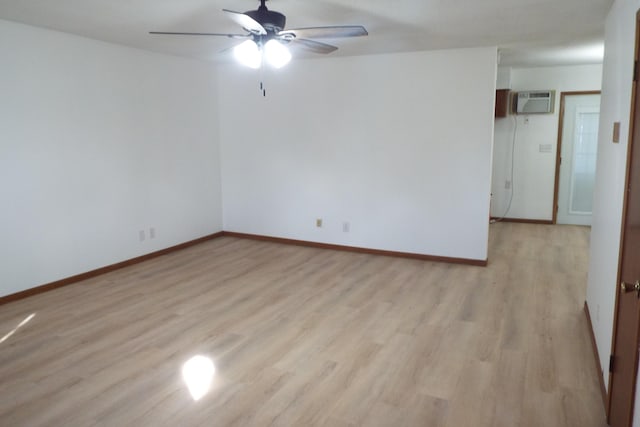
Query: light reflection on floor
pixel 6 337
pixel 197 373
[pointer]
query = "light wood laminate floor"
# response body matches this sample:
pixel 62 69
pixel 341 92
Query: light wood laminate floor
pixel 303 336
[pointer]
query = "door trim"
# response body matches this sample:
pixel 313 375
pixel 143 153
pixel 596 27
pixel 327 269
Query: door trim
pixel 630 144
pixel 556 182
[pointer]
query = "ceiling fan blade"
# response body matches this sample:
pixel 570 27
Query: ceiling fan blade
pixel 246 22
pixel 231 36
pixel 314 46
pixel 326 32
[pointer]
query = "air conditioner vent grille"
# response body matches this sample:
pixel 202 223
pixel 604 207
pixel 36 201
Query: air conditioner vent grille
pixel 534 102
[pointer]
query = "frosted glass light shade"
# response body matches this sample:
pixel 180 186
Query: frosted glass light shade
pixel 276 53
pixel 248 53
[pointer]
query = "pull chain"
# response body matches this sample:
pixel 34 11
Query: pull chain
pixel 262 88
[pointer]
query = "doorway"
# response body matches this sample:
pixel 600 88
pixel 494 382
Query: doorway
pixel 576 157
pixel 626 326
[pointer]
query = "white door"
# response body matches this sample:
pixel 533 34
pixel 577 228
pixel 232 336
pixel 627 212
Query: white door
pixel 578 149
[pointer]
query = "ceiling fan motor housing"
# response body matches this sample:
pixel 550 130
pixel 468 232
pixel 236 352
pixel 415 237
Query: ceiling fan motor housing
pixel 271 20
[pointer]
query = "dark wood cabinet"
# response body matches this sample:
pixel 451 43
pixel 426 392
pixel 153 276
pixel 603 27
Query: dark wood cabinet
pixel 502 102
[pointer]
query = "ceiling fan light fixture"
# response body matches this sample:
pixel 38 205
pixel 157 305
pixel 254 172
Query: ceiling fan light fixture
pixel 268 40
pixel 248 54
pixel 276 53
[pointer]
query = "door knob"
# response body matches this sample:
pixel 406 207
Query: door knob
pixel 628 287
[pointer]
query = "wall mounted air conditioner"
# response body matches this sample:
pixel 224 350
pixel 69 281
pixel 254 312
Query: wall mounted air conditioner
pixel 534 102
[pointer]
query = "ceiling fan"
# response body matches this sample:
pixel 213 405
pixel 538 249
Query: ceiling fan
pixel 266 38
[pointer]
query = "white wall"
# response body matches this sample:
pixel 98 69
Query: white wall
pixel 397 145
pixel 534 171
pixel 503 78
pixel 610 175
pixel 97 142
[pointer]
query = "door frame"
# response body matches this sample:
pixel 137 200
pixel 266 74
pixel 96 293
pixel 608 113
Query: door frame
pixel 634 115
pixel 556 183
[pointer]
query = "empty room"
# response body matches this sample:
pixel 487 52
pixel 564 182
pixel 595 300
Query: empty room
pixel 319 213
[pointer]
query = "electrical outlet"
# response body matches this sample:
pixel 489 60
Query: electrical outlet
pixel 319 222
pixel 507 185
pixel 152 233
pixel 346 226
pixel 141 235
pixel 526 120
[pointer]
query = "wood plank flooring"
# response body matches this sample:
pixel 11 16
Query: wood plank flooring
pixel 310 337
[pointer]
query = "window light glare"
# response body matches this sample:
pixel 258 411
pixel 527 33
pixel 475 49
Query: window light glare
pixel 248 53
pixel 198 373
pixel 276 53
pixel 21 324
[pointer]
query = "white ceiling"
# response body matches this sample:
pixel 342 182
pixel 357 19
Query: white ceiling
pixel 528 32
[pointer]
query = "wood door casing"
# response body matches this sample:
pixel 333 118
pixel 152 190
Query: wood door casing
pixel 622 380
